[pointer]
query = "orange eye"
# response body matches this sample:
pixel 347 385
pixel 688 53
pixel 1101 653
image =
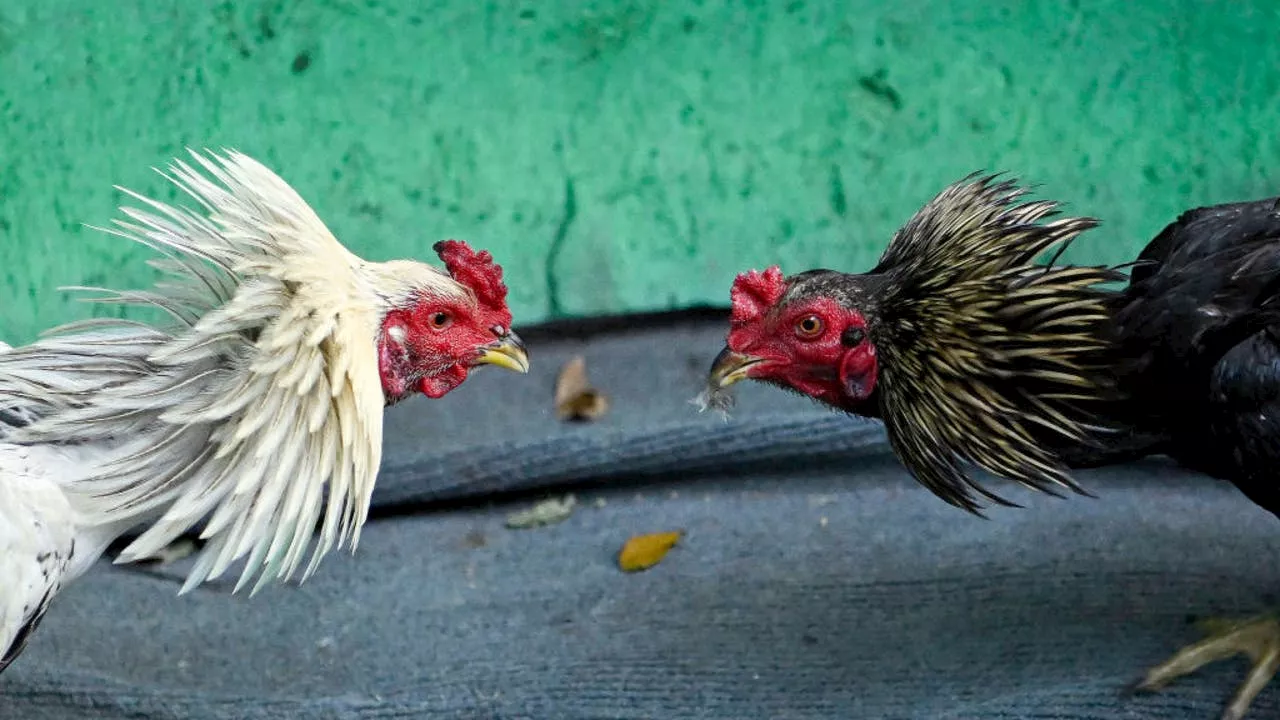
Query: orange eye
pixel 809 326
pixel 439 320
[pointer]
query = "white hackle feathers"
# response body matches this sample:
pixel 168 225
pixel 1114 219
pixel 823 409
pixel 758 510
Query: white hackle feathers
pixel 259 407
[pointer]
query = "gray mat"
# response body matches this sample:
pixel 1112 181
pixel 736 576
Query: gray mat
pixel 816 579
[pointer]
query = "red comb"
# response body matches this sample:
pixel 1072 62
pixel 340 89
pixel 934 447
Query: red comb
pixel 754 292
pixel 476 270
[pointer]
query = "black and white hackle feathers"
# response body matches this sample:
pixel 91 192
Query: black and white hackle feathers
pixel 985 352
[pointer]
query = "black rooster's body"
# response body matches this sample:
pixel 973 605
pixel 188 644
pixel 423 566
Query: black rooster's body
pixel 1198 334
pixel 1199 340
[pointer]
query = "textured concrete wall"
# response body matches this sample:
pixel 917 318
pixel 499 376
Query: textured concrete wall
pixel 627 154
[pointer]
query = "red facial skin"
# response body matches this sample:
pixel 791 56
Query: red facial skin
pixel 441 341
pixel 802 346
pixel 431 344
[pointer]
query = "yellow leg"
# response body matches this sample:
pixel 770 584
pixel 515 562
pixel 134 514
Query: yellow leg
pixel 1258 637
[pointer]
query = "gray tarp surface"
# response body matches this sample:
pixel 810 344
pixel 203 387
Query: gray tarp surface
pixel 816 579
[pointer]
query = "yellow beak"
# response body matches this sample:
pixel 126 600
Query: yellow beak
pixel 728 368
pixel 508 352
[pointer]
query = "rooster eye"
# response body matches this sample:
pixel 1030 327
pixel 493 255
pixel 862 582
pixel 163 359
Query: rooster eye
pixel 439 320
pixel 809 326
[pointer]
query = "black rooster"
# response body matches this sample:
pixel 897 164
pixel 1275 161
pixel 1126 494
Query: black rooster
pixel 1198 328
pixel 972 355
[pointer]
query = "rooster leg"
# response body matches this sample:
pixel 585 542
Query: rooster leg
pixel 1258 637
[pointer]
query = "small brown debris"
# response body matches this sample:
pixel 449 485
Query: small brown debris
pixel 644 551
pixel 575 398
pixel 474 540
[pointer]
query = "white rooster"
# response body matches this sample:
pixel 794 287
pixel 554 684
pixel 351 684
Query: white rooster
pixel 257 405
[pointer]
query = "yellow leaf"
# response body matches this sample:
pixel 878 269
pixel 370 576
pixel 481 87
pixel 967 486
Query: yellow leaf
pixel 644 551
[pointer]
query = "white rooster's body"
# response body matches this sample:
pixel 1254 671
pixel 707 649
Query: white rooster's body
pixel 42 547
pixel 38 539
pixel 257 408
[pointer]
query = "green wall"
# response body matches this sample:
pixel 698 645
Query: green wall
pixel 624 155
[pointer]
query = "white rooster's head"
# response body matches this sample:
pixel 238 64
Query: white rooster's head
pixel 275 342
pixel 432 339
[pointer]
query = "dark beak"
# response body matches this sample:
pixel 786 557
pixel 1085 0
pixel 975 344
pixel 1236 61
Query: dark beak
pixel 507 352
pixel 729 367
